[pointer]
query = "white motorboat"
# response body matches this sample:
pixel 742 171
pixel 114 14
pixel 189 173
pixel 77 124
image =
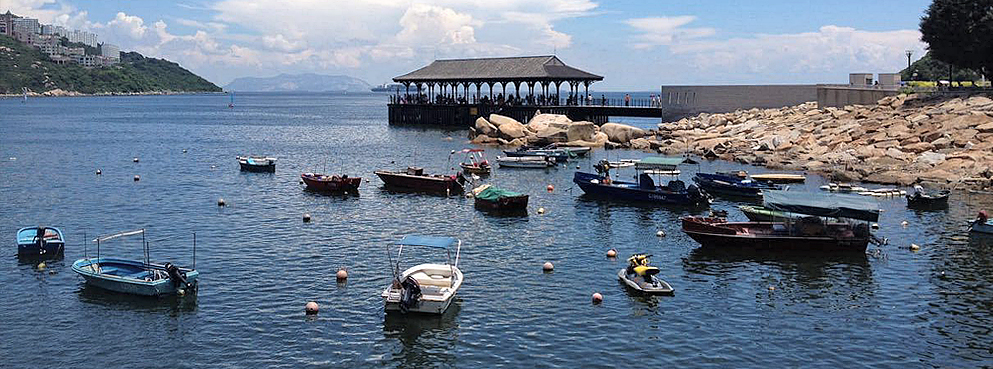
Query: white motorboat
pixel 424 288
pixel 525 161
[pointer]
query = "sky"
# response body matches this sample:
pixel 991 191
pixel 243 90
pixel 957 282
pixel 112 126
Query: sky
pixel 635 45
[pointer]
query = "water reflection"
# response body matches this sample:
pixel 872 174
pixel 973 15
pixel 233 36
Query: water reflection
pixel 427 340
pixel 172 304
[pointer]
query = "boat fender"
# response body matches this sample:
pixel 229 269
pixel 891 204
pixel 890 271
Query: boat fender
pixel 410 294
pixel 177 277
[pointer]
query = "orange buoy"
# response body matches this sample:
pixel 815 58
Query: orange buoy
pixel 612 253
pixel 597 298
pixel 550 188
pixel 341 275
pixel 312 308
pixel 548 267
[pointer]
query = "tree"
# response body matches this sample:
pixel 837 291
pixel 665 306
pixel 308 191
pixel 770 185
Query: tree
pixel 958 32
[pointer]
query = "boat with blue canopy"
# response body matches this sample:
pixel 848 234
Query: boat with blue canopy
pixel 137 277
pixel 40 241
pixel 427 287
pixel 809 222
pixel 645 190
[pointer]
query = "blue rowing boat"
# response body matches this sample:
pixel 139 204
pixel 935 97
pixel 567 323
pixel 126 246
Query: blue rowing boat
pixel 728 184
pixel 136 277
pixel 674 193
pixel 41 241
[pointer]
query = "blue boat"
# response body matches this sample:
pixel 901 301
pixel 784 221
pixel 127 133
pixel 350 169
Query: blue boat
pixel 137 277
pixel 40 241
pixel 560 155
pixel 730 184
pixel 675 192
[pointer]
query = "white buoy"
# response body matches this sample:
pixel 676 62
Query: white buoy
pixel 341 275
pixel 611 253
pixel 597 298
pixel 904 223
pixel 306 218
pixel 875 226
pixel 42 266
pixel 577 167
pixel 135 159
pixel 220 202
pixel 541 210
pixel 915 247
pixel 137 178
pixel 99 172
pixel 312 308
pixel 548 267
pixel 184 151
pixel 660 233
pixel 772 288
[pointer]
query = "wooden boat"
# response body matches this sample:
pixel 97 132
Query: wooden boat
pixel 982 224
pixel 731 184
pixel 475 163
pixel 922 199
pixel 779 177
pixel 332 183
pixel 257 163
pixel 525 162
pixel 641 277
pixel 137 277
pixel 806 233
pixel 645 191
pixel 414 179
pixel 424 288
pixel 498 200
pixel 761 214
pixel 40 241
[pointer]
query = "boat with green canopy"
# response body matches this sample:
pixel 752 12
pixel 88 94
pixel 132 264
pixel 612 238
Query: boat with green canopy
pixel 495 199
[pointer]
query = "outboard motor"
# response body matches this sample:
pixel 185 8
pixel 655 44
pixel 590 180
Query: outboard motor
pixel 410 294
pixel 697 194
pixel 177 277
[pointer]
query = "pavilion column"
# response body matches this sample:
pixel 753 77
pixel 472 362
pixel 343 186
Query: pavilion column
pixel 478 87
pixel 557 91
pixel 517 89
pixel 587 83
pixel 490 84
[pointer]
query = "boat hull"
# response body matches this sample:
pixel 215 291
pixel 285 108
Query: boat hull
pixel 331 183
pixel 625 191
pixel 938 201
pixel 271 168
pixel 780 178
pixel 559 156
pixel 662 287
pixel 112 276
pixel 715 233
pixel 507 204
pixel 429 303
pixel 444 185
pixel 525 162
pixel 480 170
pixel 28 246
pixel 980 227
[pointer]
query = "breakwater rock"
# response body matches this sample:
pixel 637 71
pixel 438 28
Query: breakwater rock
pixel 544 129
pixel 902 139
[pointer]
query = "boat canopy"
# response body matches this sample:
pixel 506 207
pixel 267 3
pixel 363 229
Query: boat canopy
pixel 494 193
pixel 824 205
pixel 656 162
pixel 428 241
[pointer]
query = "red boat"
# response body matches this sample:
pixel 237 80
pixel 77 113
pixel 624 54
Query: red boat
pixel 333 183
pixel 414 179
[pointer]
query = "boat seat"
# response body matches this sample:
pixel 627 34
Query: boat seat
pixel 432 280
pixel 107 270
pixel 137 275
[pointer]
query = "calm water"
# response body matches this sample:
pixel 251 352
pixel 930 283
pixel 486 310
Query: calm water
pixel 260 263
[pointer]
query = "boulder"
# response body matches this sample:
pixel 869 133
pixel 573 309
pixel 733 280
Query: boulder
pixel 600 139
pixel 931 158
pixel 498 120
pixel 640 144
pixel 484 127
pixel 919 147
pixel 542 121
pixel 484 140
pixel 552 135
pixel 621 133
pixel 512 129
pixel 581 131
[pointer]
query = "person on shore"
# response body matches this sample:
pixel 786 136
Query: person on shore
pixel 627 99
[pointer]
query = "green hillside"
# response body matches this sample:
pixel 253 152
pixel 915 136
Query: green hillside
pixel 23 65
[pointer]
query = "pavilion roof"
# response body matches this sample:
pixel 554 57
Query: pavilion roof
pixel 523 68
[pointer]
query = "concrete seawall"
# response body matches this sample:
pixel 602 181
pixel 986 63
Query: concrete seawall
pixel 685 101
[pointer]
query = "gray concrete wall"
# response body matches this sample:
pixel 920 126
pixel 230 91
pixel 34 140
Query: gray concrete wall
pixel 682 101
pixel 839 95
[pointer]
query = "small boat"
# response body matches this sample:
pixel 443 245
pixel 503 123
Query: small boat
pixel 580 152
pixel 845 188
pixel 811 232
pixel 623 163
pixel 424 288
pixel 644 190
pixel 641 277
pixel 761 214
pixel 982 224
pixel 45 241
pixel 525 161
pixel 257 163
pixel 137 277
pixel 475 163
pixel 332 183
pixel 498 200
pixel 731 184
pixel 414 179
pixel 922 199
pixel 779 177
pixel 560 155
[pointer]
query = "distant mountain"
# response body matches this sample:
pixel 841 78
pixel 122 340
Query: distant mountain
pixel 299 82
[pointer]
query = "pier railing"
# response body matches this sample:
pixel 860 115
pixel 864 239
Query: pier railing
pixel 602 101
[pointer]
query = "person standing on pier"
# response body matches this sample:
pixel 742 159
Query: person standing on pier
pixel 627 99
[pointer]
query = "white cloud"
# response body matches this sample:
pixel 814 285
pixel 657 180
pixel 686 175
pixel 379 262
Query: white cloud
pixel 659 31
pixel 434 25
pixel 128 25
pixel 280 43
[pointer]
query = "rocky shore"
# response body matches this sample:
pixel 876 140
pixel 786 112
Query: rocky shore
pixel 63 93
pixel 906 139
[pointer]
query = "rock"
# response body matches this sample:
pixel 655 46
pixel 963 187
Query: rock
pixel 931 158
pixel 919 147
pixel 985 128
pixel 498 120
pixel 511 129
pixel 484 140
pixel 581 131
pixel 552 135
pixel 484 127
pixel 600 138
pixel 979 102
pixel 640 144
pixel 621 133
pixel 941 143
pixel 966 121
pixel 542 121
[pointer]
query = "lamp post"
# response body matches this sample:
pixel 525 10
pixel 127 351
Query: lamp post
pixel 909 54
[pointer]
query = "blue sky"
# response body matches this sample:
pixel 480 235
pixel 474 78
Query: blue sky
pixel 635 45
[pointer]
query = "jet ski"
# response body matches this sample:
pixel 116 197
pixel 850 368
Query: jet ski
pixel 640 276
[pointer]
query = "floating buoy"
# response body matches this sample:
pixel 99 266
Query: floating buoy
pixel 577 167
pixel 541 210
pixel 306 218
pixel 915 247
pixel 550 188
pixel 341 275
pixel 137 178
pixel 611 253
pixel 660 233
pixel 904 223
pixel 135 159
pixel 213 166
pixel 548 267
pixel 597 298
pixel 772 288
pixel 367 180
pixel 184 151
pixel 181 292
pixel 41 266
pixel 312 308
pixel 220 202
pixel 12 158
pixel 875 226
pixel 99 172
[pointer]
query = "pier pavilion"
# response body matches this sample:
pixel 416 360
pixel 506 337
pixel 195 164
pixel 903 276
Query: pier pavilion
pixel 450 92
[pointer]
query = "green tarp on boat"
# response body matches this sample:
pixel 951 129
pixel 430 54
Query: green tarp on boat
pixel 824 205
pixel 492 193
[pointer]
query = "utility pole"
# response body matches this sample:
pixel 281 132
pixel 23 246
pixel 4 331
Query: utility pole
pixel 909 54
